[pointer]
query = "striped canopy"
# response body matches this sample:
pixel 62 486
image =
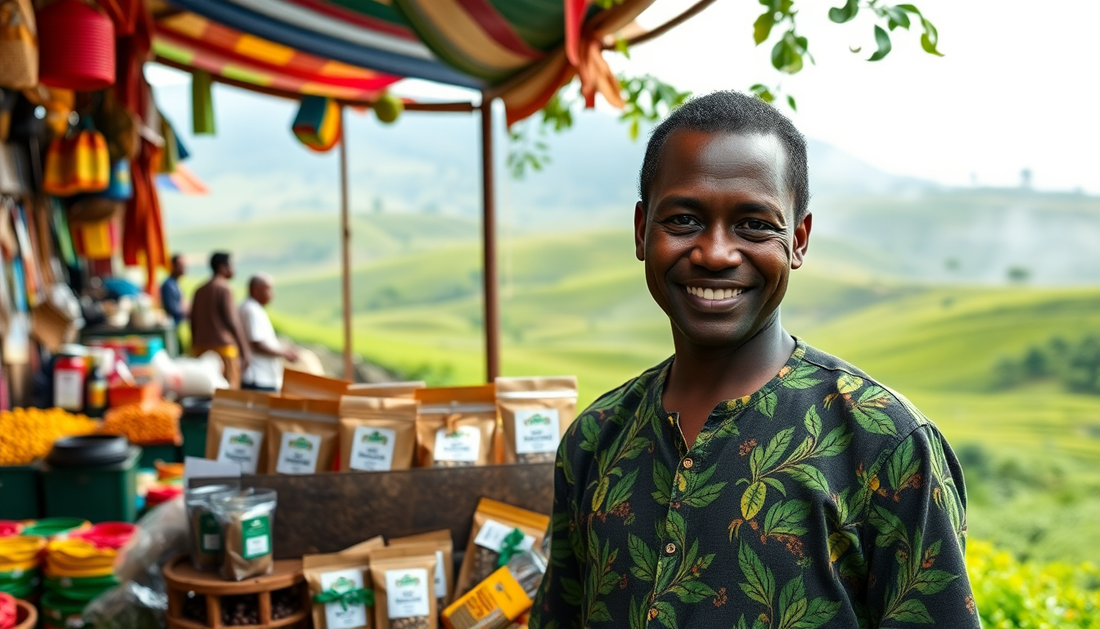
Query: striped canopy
pixel 352 49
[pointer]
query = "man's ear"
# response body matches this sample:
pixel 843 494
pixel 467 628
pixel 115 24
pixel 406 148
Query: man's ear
pixel 639 230
pixel 801 240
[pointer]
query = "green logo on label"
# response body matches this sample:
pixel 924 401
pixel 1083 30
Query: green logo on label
pixel 537 419
pixel 457 434
pixel 407 581
pixel 343 584
pixel 375 437
pixel 301 443
pixel 242 440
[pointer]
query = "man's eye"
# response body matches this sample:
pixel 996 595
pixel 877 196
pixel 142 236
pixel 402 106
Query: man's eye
pixel 682 220
pixel 755 224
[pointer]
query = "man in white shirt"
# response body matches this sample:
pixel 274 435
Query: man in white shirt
pixel 265 371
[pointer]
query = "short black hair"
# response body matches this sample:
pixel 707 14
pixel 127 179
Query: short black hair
pixel 176 258
pixel 218 259
pixel 732 112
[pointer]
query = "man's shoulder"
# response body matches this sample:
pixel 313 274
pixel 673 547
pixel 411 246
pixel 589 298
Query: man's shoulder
pixel 611 409
pixel 849 391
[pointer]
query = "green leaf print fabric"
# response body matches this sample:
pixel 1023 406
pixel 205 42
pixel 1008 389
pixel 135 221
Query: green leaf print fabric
pixel 823 500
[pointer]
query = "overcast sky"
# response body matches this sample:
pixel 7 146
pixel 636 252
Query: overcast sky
pixel 1018 87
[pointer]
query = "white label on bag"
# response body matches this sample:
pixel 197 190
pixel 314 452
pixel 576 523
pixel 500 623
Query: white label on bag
pixel 242 447
pixel 407 593
pixel 336 616
pixel 440 576
pixel 298 453
pixel 492 536
pixel 68 390
pixel 461 445
pixel 537 431
pixel 372 449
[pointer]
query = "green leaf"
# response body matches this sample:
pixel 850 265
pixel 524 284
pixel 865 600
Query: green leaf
pixel 776 484
pixel 787 518
pixel 930 39
pixel 835 442
pixel 820 611
pixel 693 591
pixel 890 528
pixel 762 27
pixel 621 492
pixel 599 613
pixel 848 383
pixel 908 7
pixel 760 583
pixel 753 499
pixel 666 613
pixel 910 610
pixel 571 591
pixel 933 581
pixel 769 400
pixel 786 58
pixel 845 13
pixel 591 431
pixel 677 529
pixel 703 496
pixel 600 493
pixel 898 17
pixel 902 465
pixel 645 560
pixel 874 420
pixel 622 47
pixel 882 40
pixel 762 92
pixel 638 614
pixel 794 590
pixel 791 102
pixel 812 421
pixel 809 476
pixel 776 447
pixel 662 480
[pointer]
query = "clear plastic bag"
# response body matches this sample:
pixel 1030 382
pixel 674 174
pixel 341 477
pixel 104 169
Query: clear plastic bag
pixel 128 606
pixel 162 534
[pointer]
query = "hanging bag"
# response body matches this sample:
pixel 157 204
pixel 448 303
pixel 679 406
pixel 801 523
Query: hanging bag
pixel 77 43
pixel 317 124
pixel 18 45
pixel 77 163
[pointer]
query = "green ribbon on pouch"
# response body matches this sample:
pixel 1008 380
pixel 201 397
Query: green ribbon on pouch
pixel 360 596
pixel 510 547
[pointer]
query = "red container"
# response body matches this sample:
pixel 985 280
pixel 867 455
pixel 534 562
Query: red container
pixel 69 372
pixel 76 46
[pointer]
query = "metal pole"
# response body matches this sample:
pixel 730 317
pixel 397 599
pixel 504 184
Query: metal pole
pixel 345 247
pixel 489 244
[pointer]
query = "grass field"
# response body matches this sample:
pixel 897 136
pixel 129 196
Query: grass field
pixel 577 304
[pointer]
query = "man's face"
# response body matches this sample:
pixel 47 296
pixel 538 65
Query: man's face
pixel 263 292
pixel 718 238
pixel 179 266
pixel 227 270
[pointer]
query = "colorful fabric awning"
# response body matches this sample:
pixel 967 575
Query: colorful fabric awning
pixel 351 49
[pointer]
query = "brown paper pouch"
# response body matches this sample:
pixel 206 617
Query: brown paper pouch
pixel 377 434
pixel 307 385
pixel 385 389
pixel 441 543
pixel 340 572
pixel 535 413
pixel 404 596
pixel 456 426
pixel 302 435
pixel 493 521
pixel 236 429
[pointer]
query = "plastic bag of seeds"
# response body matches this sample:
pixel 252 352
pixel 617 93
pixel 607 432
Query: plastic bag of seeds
pixel 404 593
pixel 494 529
pixel 535 413
pixel 340 587
pixel 236 429
pixel 207 547
pixel 442 544
pixel 501 599
pixel 385 389
pixel 377 434
pixel 248 524
pixel 302 435
pixel 456 426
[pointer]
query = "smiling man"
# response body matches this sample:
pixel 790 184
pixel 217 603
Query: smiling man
pixel 750 481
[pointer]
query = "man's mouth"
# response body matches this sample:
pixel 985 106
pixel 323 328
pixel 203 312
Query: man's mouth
pixel 714 294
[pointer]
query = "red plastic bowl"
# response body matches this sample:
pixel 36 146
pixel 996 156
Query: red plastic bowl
pixel 76 46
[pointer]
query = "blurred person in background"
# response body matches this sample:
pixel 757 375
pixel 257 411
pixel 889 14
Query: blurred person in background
pixel 265 371
pixel 215 326
pixel 171 297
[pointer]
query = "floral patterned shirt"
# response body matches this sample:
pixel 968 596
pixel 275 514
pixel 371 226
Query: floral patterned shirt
pixel 822 500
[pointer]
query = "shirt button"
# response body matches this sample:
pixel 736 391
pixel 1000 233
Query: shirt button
pixel 689 463
pixel 670 549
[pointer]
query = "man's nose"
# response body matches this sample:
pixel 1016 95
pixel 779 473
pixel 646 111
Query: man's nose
pixel 716 249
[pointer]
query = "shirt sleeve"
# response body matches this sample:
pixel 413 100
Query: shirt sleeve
pixel 248 323
pixel 558 602
pixel 917 518
pixel 171 300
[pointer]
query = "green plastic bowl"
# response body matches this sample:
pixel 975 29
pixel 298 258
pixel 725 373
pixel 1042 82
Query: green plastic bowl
pixel 49 527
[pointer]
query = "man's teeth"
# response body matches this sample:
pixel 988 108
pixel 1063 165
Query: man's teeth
pixel 713 294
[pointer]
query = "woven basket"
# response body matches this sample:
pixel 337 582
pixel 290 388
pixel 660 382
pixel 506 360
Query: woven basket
pixel 77 44
pixel 18 45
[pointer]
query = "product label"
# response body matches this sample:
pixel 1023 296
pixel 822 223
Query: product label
pixel 256 533
pixel 336 616
pixel 461 445
pixel 440 576
pixel 492 536
pixel 298 453
pixel 372 449
pixel 242 447
pixel 210 534
pixel 499 594
pixel 68 390
pixel 537 431
pixel 407 593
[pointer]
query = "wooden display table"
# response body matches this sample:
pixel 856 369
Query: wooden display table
pixel 185 583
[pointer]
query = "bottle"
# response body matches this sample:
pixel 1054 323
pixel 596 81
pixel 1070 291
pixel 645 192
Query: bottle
pixel 69 372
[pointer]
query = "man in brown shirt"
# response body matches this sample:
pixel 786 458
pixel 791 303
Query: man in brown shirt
pixel 214 323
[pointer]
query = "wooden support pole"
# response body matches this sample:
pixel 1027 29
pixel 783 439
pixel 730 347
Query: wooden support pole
pixel 489 244
pixel 345 248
